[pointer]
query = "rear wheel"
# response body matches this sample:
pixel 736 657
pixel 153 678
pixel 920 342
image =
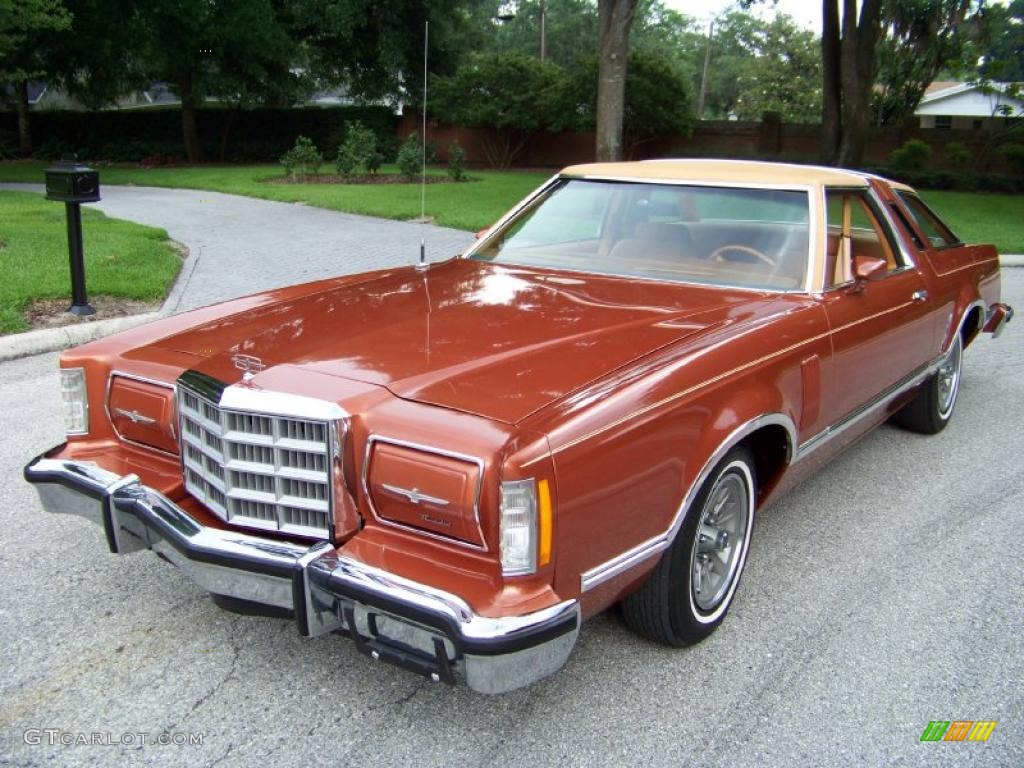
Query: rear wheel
pixel 689 592
pixel 931 409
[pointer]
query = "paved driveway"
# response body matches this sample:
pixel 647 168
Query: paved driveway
pixel 242 245
pixel 883 593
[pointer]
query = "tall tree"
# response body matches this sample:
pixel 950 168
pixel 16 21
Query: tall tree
pixel 92 60
pixel 614 21
pixel 848 76
pixel 1001 43
pixel 375 47
pixel 921 37
pixel 216 48
pixel 760 66
pixel 22 24
pixel 658 100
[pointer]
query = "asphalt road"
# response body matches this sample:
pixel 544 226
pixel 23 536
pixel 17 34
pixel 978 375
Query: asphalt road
pixel 885 592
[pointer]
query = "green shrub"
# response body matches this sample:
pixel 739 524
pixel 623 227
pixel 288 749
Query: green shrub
pixel 958 154
pixel 346 161
pixel 374 161
pixel 303 159
pixel 914 155
pixel 410 157
pixel 456 162
pixel 358 150
pixel 954 180
pixel 1014 154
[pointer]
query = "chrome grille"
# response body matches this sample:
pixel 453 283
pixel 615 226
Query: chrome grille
pixel 256 470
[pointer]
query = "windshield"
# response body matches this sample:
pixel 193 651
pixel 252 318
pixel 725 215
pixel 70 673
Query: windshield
pixel 755 238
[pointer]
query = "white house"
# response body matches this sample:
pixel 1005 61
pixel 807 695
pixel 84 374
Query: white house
pixel 968 106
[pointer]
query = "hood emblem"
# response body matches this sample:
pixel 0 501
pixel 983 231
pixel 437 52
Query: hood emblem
pixel 134 416
pixel 414 495
pixel 248 365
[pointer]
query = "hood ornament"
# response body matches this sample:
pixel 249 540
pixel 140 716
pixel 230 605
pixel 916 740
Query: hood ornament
pixel 248 364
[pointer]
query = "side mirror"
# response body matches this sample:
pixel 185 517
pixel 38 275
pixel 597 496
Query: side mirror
pixel 867 268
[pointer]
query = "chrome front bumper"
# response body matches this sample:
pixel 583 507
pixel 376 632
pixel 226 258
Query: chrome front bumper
pixel 425 630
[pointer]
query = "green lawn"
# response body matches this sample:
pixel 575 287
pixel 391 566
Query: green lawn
pixel 122 259
pixel 476 204
pixel 469 205
pixel 982 218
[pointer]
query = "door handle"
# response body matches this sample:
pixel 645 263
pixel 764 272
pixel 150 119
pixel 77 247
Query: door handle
pixel 919 295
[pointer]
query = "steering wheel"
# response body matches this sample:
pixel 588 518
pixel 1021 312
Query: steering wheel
pixel 719 254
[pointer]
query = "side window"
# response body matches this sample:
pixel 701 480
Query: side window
pixel 938 234
pixel 853 230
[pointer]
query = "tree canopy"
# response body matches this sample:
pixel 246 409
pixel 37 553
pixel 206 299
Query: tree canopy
pixel 514 94
pixel 919 38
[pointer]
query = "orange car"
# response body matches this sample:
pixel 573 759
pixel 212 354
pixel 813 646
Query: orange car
pixel 456 463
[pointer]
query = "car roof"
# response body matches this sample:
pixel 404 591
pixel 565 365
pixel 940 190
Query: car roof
pixel 726 171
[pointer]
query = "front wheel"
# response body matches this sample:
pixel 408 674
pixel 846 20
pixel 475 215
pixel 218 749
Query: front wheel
pixel 931 409
pixel 689 592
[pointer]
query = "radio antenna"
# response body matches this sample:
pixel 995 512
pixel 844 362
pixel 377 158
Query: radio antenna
pixel 423 146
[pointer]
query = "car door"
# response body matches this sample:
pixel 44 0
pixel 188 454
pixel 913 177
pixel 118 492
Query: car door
pixel 882 330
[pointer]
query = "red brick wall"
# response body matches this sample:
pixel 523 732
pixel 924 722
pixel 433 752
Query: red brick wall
pixel 797 143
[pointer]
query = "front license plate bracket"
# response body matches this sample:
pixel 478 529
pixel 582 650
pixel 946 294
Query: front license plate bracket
pixel 436 667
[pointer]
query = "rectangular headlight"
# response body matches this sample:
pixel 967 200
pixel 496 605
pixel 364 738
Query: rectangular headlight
pixel 75 400
pixel 518 527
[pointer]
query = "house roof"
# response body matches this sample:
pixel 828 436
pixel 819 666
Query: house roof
pixel 945 89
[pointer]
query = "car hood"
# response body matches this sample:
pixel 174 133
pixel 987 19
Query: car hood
pixel 494 340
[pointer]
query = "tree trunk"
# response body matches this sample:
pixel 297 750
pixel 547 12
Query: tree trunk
pixel 857 59
pixel 832 90
pixel 615 18
pixel 193 149
pixel 226 130
pixel 24 123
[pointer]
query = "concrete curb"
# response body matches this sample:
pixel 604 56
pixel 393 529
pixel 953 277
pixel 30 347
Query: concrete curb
pixel 1011 260
pixel 188 265
pixel 52 339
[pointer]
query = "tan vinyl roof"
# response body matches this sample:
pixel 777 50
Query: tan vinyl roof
pixel 726 171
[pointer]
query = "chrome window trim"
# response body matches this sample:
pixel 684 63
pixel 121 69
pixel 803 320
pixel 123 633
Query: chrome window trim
pixel 808 189
pixel 625 561
pixel 145 380
pixel 365 481
pixel 889 223
pixel 889 228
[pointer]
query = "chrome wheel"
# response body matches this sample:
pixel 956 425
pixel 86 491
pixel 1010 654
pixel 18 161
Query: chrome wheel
pixel 721 540
pixel 948 378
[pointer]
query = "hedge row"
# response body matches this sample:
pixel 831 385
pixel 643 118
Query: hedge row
pixel 254 134
pixel 960 181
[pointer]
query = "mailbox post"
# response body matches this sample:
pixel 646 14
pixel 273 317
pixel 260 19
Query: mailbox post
pixel 74 184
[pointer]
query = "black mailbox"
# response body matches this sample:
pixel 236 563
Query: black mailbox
pixel 70 182
pixel 74 184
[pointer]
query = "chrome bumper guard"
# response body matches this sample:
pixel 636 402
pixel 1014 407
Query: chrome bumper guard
pixel 425 630
pixel 999 316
